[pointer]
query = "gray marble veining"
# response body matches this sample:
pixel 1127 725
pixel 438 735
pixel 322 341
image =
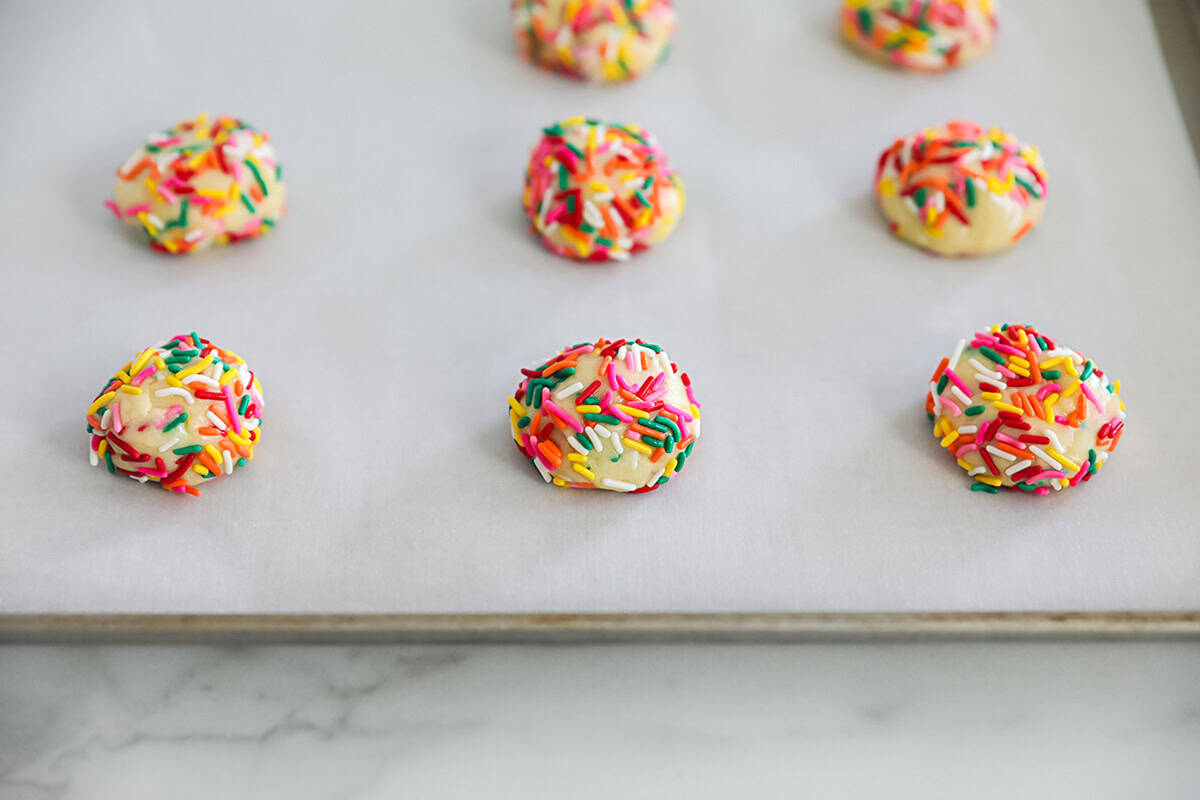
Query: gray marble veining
pixel 1012 720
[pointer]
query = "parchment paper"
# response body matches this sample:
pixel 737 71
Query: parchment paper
pixel 389 313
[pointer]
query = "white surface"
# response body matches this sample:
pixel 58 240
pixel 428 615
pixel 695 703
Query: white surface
pixel 929 721
pixel 404 291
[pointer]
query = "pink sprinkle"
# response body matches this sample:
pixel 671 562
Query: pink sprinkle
pixel 172 413
pixel 679 412
pixel 118 426
pixel 950 404
pixel 949 373
pixel 1087 391
pixel 1008 348
pixel 230 409
pixel 630 364
pixel 966 448
pixel 539 454
pixel 526 444
pixel 1004 437
pixel 133 211
pixel 558 412
pixel 1046 474
pixel 691 397
pixel 1082 472
pixel 1043 392
pixel 146 373
pixel 96 441
pixel 113 207
pixel 583 348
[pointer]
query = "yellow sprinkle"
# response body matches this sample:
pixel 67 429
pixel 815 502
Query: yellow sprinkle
pixel 578 458
pixel 1069 363
pixel 588 409
pixel 636 445
pixel 204 364
pixel 150 229
pixel 597 186
pixel 214 452
pixel 223 210
pixel 1000 405
pixel 158 362
pixel 584 471
pixel 123 376
pixel 573 121
pixel 886 187
pixel 200 468
pixel 237 438
pixel 559 481
pixel 1017 359
pixel 141 361
pixel 949 438
pixel 966 465
pixel 216 194
pixel 104 398
pixel 228 377
pixel 173 381
pixel 636 412
pixel 695 411
pixel 1024 373
pixel 127 389
pixel 990 480
pixel 1059 457
pixel 670 470
pixel 513 404
pixel 990 395
pixel 1070 390
pixel 516 431
pixel 171 246
pixel 1051 362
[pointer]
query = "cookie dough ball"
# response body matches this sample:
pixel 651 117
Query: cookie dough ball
pixel 598 192
pixel 179 414
pixel 959 190
pixel 1019 410
pixel 610 415
pixel 595 40
pixel 199 183
pixel 920 35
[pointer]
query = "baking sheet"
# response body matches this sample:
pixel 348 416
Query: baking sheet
pixel 389 313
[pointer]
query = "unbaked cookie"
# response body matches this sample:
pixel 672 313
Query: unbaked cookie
pixel 598 192
pixel 615 415
pixel 595 40
pixel 200 183
pixel 961 190
pixel 1019 410
pixel 179 414
pixel 920 35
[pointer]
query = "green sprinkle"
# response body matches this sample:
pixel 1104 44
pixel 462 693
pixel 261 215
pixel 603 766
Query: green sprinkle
pixel 992 354
pixel 244 404
pixel 679 459
pixel 183 451
pixel 642 199
pixel 942 381
pixel 241 462
pixel 181 220
pixel 670 423
pixel 565 372
pixel 600 240
pixel 1028 187
pixel 279 172
pixel 1051 374
pixel 589 401
pixel 607 418
pixel 584 441
pixel 650 440
pixel 257 176
pixel 919 197
pixel 864 21
pixel 970 192
pixel 523 421
pixel 188 353
pixel 1091 462
pixel 246 202
pixel 983 487
pixel 182 418
pixel 196 340
pixel 1087 371
pixel 668 444
pixel 562 178
pixel 108 460
pixel 586 228
pixel 553 130
pixel 662 480
pixel 575 150
pixel 970 411
pixel 653 347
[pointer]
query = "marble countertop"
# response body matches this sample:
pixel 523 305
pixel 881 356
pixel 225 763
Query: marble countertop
pixel 870 720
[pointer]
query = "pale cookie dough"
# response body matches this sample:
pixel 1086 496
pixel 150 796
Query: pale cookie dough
pixel 598 192
pixel 920 35
pixel 1018 410
pixel 616 415
pixel 200 183
pixel 961 190
pixel 595 40
pixel 179 414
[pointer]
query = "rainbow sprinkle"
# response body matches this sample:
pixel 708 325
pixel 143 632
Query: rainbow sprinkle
pixel 200 183
pixel 595 40
pixel 921 35
pixel 616 415
pixel 1017 410
pixel 948 177
pixel 179 414
pixel 598 192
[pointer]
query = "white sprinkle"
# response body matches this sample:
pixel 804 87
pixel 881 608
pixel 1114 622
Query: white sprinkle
pixel 603 197
pixel 664 361
pixel 207 381
pixel 974 362
pixel 570 390
pixel 93 459
pixel 998 452
pixel 551 228
pixel 966 429
pixel 106 419
pixel 140 478
pixel 228 462
pixel 621 353
pixel 618 255
pixel 170 390
pixel 193 236
pixel 937 398
pixel 1017 467
pixel 654 478
pixel 603 431
pixel 958 351
pixel 960 394
pixel 132 161
pixel 1040 453
pixel 616 443
pixel 635 459
pixel 251 424
pixel 576 446
pixel 1053 437
pixel 620 486
pixel 995 381
pixel 978 471
pixel 591 434
pixel 591 214
pixel 545 474
pixel 154 220
pixel 215 420
pixel 696 428
pixel 169 445
pixel 624 242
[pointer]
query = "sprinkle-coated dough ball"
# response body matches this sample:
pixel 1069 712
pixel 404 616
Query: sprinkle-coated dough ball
pixel 598 192
pixel 180 414
pixel 615 415
pixel 1019 410
pixel 920 35
pixel 200 183
pixel 961 190
pixel 595 40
